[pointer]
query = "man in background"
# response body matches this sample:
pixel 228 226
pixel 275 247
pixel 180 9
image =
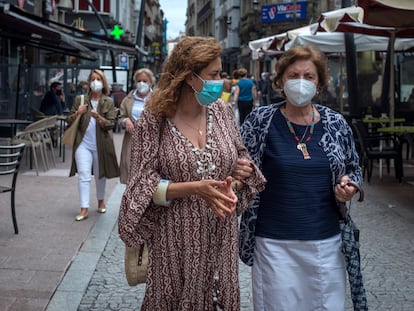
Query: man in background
pixel 54 100
pixel 53 104
pixel 264 86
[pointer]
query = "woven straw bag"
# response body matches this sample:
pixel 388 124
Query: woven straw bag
pixel 136 264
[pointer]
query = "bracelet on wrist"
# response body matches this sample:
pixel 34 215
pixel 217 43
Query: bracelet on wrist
pixel 160 195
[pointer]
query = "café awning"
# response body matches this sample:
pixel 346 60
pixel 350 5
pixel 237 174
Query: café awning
pixel 328 42
pixel 17 26
pixel 105 45
pixel 390 19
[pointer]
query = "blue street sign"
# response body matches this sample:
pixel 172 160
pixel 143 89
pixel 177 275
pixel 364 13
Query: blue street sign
pixel 124 61
pixel 283 12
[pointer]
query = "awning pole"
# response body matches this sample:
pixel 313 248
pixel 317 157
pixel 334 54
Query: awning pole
pixel 392 79
pixel 138 40
pixel 16 108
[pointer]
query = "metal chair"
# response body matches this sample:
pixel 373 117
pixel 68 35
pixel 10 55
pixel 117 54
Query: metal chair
pixel 10 158
pixel 377 147
pixel 33 141
pixel 46 127
pixel 37 136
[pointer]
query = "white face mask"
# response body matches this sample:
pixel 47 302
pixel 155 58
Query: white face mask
pixel 299 92
pixel 142 87
pixel 96 86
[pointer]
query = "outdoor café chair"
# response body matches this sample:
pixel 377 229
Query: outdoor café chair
pixel 377 147
pixel 10 158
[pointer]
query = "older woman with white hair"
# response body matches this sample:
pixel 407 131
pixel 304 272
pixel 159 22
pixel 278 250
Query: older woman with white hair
pixel 130 110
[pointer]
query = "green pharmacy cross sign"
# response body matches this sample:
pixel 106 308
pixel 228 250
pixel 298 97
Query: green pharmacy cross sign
pixel 117 32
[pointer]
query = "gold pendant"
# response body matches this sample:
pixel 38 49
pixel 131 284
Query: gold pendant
pixel 302 147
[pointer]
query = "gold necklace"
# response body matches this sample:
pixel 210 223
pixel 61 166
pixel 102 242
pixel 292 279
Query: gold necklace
pixel 301 142
pixel 200 132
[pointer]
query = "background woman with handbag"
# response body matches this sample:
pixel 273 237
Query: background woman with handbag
pixel 130 110
pixel 307 154
pixel 93 149
pixel 180 197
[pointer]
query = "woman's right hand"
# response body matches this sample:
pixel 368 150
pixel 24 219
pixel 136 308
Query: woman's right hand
pixel 81 109
pixel 219 196
pixel 129 126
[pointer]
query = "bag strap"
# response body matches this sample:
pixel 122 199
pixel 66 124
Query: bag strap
pixel 82 100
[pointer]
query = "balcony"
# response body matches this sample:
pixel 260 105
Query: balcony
pixel 205 12
pixel 250 27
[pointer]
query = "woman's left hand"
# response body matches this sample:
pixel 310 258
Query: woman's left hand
pixel 219 196
pixel 227 189
pixel 344 191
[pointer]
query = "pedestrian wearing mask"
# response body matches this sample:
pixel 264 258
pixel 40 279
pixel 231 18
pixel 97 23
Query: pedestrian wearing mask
pixel 130 110
pixel 94 149
pixel 307 154
pixel 54 100
pixel 180 195
pixel 263 87
pixel 245 95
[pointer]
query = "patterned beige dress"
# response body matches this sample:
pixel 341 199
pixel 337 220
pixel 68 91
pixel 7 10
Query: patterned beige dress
pixel 193 254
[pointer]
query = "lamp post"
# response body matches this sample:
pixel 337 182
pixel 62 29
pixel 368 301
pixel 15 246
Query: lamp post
pixel 351 69
pixel 294 13
pixel 101 22
pixel 138 38
pixel 255 59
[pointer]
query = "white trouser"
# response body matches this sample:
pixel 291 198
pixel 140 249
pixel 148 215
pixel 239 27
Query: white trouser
pixel 85 159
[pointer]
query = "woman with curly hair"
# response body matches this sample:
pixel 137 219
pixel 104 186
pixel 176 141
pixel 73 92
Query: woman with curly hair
pixel 189 168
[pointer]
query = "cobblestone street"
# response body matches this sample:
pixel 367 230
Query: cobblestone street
pixel 386 224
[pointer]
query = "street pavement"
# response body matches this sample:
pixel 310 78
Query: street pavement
pixel 55 263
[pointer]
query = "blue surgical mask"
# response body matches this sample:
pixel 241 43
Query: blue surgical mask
pixel 210 92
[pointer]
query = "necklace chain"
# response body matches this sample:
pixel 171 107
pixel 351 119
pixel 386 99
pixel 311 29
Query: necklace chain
pixel 292 130
pixel 200 132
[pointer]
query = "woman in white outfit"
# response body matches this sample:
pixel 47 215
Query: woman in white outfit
pixel 94 150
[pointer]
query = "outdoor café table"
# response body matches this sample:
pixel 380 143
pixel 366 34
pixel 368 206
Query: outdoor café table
pixel 399 129
pixel 382 120
pixel 13 124
pixel 375 123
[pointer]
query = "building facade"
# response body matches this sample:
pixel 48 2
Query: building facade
pixel 43 41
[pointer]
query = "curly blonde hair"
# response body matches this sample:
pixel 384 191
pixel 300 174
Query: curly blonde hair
pixel 307 52
pixel 191 54
pixel 106 90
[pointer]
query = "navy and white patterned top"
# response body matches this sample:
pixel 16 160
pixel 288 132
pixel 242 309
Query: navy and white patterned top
pixel 298 202
pixel 338 145
pixel 336 142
